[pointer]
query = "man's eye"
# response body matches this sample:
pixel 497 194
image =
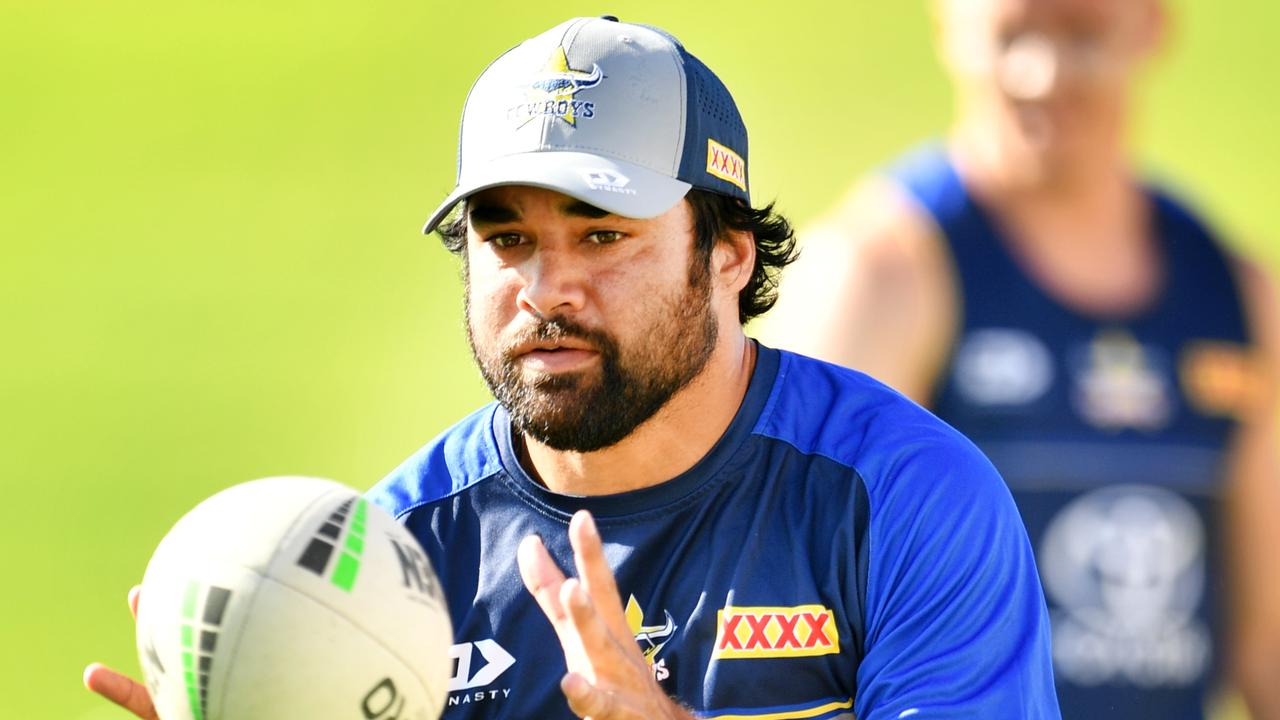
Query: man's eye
pixel 605 237
pixel 506 240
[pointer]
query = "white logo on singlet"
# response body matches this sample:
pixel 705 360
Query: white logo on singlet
pixel 1003 366
pixel 1121 383
pixel 1125 566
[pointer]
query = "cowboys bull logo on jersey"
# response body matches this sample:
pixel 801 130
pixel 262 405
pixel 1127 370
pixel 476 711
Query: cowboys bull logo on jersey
pixel 651 638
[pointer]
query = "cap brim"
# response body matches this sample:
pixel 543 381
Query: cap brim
pixel 622 188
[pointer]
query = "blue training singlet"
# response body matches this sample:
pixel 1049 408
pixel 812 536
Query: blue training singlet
pixel 839 552
pixel 1111 434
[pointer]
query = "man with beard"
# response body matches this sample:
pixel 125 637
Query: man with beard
pixel 754 534
pixel 1090 334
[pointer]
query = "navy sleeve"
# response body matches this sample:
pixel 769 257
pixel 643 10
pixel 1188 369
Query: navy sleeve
pixel 956 625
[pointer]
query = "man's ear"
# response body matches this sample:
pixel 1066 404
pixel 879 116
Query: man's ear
pixel 959 51
pixel 733 258
pixel 1156 26
pixel 941 39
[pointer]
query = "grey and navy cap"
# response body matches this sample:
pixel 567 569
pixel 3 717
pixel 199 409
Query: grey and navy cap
pixel 617 115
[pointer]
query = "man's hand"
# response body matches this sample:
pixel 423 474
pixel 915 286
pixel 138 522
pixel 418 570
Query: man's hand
pixel 608 677
pixel 120 689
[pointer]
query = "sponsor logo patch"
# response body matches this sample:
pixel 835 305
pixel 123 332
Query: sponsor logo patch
pixel 605 180
pixel 1003 367
pixel 726 164
pixel 1221 378
pixel 468 673
pixel 770 632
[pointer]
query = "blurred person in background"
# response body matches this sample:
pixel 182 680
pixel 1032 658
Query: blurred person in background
pixel 1093 336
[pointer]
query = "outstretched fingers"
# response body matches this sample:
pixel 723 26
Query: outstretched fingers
pixel 602 648
pixel 119 689
pixel 587 700
pixel 542 577
pixel 608 677
pixel 597 578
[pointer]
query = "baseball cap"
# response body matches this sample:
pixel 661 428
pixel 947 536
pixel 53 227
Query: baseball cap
pixel 615 114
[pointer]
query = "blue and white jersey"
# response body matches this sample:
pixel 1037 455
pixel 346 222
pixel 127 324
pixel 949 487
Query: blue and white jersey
pixel 838 553
pixel 1111 433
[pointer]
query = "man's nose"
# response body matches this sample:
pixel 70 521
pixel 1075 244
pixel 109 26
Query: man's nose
pixel 555 281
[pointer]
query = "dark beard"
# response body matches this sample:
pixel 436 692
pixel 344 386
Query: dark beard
pixel 581 412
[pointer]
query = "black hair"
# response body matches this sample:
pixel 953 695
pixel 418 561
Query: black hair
pixel 453 229
pixel 775 239
pixel 713 215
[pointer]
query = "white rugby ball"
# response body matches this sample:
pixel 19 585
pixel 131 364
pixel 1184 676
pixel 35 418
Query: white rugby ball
pixel 290 598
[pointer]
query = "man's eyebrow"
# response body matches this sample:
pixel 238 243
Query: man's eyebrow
pixel 480 214
pixel 490 214
pixel 578 208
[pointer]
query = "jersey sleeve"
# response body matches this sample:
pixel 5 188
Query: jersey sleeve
pixel 956 625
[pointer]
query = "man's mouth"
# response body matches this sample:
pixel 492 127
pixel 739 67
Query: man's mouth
pixel 555 357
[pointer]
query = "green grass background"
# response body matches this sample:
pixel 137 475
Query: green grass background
pixel 211 268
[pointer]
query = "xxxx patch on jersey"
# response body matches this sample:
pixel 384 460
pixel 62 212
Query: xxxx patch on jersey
pixel 771 632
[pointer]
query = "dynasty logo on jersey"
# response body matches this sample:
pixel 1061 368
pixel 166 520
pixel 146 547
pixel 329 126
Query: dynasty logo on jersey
pixel 773 632
pixel 468 674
